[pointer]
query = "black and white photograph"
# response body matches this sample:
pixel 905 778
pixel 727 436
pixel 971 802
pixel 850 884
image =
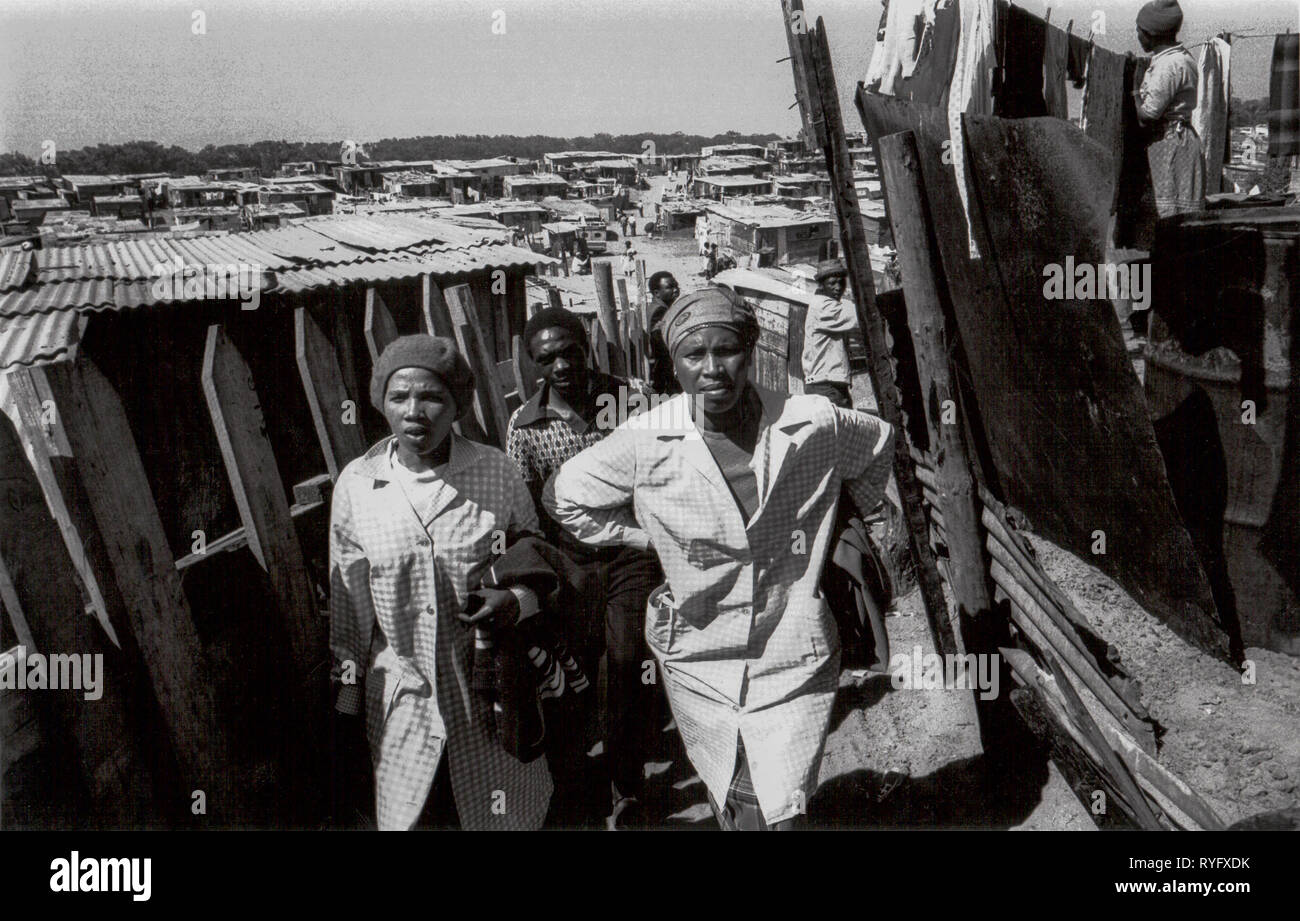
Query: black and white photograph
pixel 649 415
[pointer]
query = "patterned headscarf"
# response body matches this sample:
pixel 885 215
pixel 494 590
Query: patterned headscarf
pixel 711 306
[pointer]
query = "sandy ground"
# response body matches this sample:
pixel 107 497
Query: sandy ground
pixel 1235 743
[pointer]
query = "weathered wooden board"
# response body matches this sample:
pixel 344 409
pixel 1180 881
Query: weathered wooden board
pixel 338 424
pixel 1062 419
pixel 259 493
pixel 488 400
pixel 143 589
pixel 1065 398
pixel 380 327
pixel 44 594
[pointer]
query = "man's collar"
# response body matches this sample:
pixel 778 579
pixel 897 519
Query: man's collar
pixel 537 409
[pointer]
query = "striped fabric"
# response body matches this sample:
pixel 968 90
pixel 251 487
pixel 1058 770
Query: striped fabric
pixel 1284 97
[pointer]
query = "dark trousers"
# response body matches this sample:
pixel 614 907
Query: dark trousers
pixel 633 706
pixel 616 626
pixel 836 392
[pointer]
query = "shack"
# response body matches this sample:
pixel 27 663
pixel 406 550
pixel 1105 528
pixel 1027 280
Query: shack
pixel 720 188
pixel 770 235
pixel 535 187
pixel 190 522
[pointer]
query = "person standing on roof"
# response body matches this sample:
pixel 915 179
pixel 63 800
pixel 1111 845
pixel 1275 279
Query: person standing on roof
pixel 831 318
pixel 1165 102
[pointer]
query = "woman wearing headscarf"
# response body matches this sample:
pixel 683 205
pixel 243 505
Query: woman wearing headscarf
pixel 735 488
pixel 414 525
pixel 1165 102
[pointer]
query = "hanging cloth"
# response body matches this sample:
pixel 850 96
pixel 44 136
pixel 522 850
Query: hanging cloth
pixel 1211 116
pixel 1284 97
pixel 972 88
pixel 1076 66
pixel 1023 38
pixel 1056 51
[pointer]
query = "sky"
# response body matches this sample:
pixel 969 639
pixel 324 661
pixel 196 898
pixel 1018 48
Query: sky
pixel 81 72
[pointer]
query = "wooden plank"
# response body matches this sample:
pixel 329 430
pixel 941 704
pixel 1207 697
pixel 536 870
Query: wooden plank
pixel 259 492
pixel 1048 637
pixel 488 401
pixel 825 100
pixel 605 313
pixel 1083 719
pixel 28 403
pixel 600 347
pixel 238 538
pixel 1040 360
pixel 34 563
pixel 642 296
pixel 322 379
pixel 433 309
pixel 624 341
pixel 340 320
pixel 1090 747
pixel 795 321
pixel 380 327
pixel 13 608
pixel 1059 624
pixel 982 630
pixel 525 377
pixel 146 603
pixel 1079 768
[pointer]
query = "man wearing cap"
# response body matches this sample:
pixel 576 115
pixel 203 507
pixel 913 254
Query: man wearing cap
pixel 826 335
pixel 735 488
pixel 663 286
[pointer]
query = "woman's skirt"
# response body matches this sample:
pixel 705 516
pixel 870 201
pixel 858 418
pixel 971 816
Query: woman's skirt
pixel 1177 170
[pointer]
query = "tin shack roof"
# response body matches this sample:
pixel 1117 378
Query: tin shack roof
pixel 43 291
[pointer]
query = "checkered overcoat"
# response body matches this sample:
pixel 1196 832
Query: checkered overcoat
pixel 746 643
pixel 398 576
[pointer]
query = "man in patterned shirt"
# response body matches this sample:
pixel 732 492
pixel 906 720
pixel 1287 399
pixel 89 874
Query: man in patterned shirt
pixel 575 407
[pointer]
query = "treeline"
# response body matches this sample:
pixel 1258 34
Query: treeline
pixel 149 156
pixel 1247 112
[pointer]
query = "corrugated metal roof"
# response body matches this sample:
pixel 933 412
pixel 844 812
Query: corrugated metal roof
pixel 39 310
pixel 14 265
pixel 38 339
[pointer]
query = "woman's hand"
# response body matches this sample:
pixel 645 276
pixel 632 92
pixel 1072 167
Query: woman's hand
pixel 499 608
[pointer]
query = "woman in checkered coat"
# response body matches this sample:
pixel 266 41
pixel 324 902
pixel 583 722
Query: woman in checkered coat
pixel 735 488
pixel 413 526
